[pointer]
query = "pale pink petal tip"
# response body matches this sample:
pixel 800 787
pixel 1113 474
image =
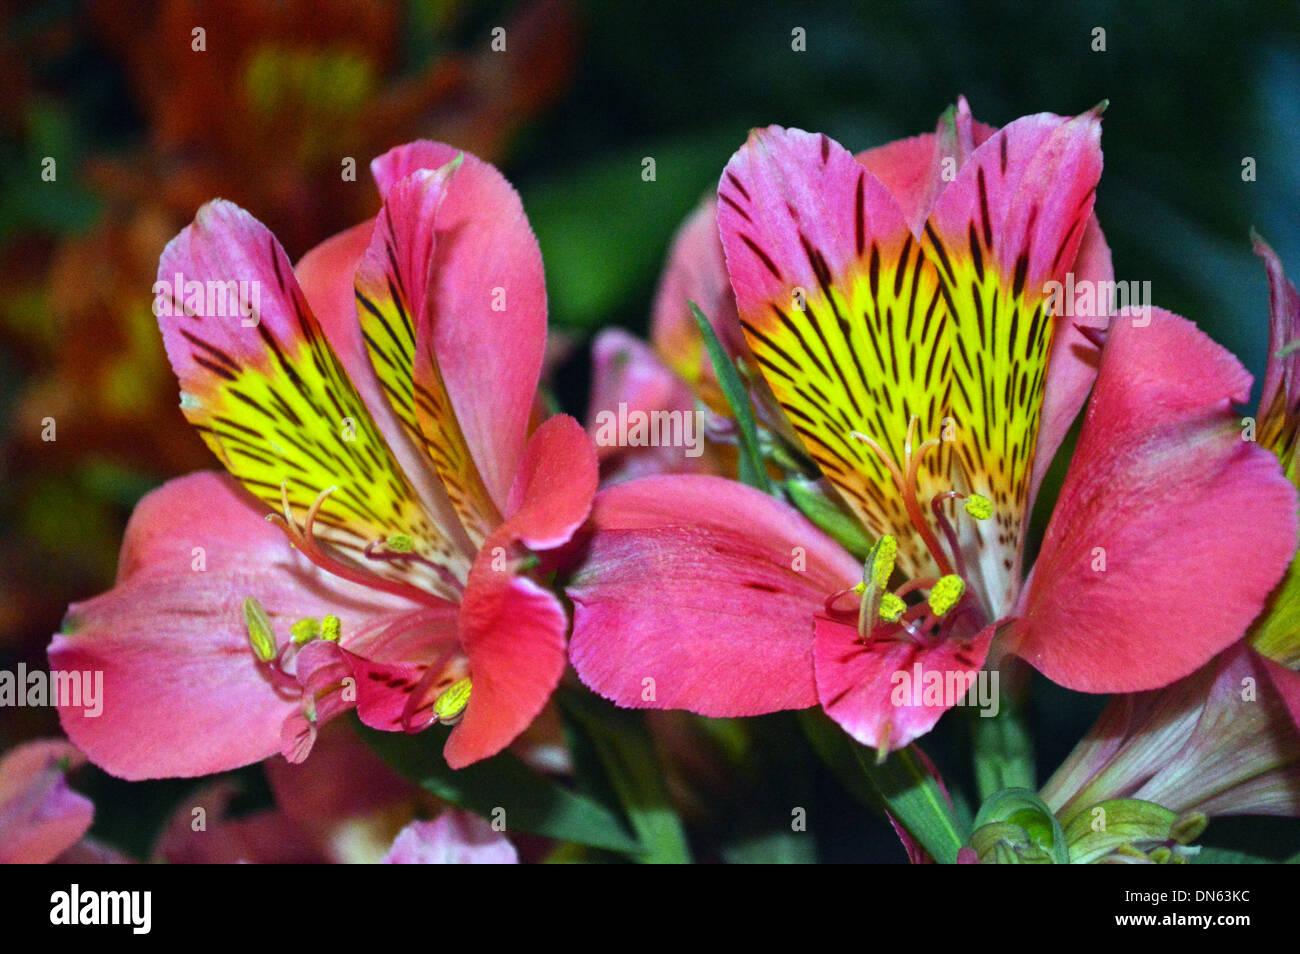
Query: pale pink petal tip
pixel 454 838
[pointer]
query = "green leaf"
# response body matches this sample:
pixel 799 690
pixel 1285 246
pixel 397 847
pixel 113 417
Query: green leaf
pixel 532 802
pixel 627 754
pixel 816 506
pixel 915 799
pixel 752 471
pixel 900 784
pixel 773 848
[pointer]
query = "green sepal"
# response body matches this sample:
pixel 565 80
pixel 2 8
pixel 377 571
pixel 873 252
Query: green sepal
pixel 1126 824
pixel 832 519
pixel 1016 820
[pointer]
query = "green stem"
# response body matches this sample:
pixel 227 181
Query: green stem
pixel 627 755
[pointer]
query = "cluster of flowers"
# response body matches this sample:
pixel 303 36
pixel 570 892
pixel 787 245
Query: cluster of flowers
pixel 405 529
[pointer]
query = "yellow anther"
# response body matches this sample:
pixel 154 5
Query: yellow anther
pixel 946 593
pixel 260 634
pixel 331 628
pixel 450 705
pixel 891 608
pixel 305 630
pixel 979 506
pixel 883 565
pixel 400 543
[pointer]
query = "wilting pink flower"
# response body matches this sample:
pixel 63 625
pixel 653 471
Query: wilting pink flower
pixel 377 400
pixel 1219 742
pixel 453 838
pixel 905 308
pixel 40 816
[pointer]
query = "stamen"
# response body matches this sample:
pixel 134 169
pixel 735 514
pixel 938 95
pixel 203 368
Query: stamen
pixel 450 704
pixel 304 538
pixel 907 486
pixel 946 593
pixel 844 614
pixel 979 506
pixel 918 583
pixel 304 630
pixel 883 566
pixel 331 628
pixel 876 570
pixel 400 543
pixel 260 634
pixel 949 533
pixel 403 552
pixel 891 608
pixel 435 671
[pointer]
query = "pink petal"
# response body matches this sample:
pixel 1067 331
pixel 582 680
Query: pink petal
pixel 627 371
pixel 913 169
pixel 783 188
pixel 690 598
pixel 512 631
pixel 326 274
pixel 263 837
pixel 273 401
pixel 454 838
pixel 1196 524
pixel 696 272
pixel 1072 366
pixel 909 169
pixel 486 256
pixel 552 492
pixel 323 669
pixel 877 693
pixel 399 318
pixel 1040 176
pixel 40 816
pixel 182 692
pixel 388 669
pixel 1287 683
pixel 1281 380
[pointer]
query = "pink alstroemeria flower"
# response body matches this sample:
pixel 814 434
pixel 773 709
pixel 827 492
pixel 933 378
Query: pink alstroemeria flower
pixel 672 372
pixel 41 818
pixel 378 402
pixel 1276 634
pixel 901 305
